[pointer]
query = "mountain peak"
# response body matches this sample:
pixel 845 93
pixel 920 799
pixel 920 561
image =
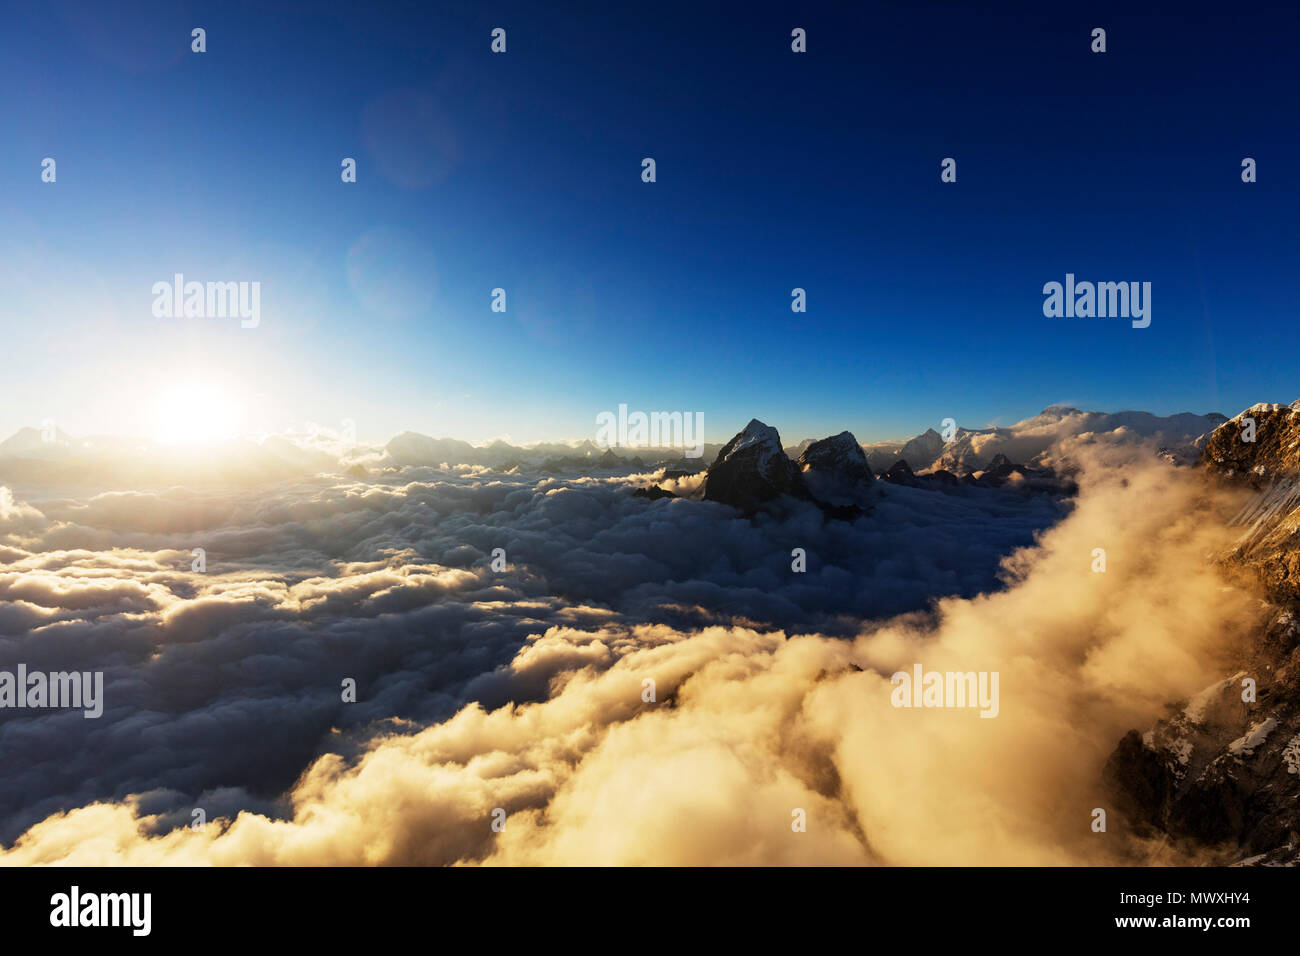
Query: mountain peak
pixel 836 471
pixel 756 435
pixel 839 453
pixel 752 468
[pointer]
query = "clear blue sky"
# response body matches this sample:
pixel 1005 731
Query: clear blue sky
pixel 522 170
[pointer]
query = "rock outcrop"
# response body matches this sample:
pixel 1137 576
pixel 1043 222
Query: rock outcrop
pixel 654 493
pixel 900 473
pixel 753 469
pixel 1221 776
pixel 836 471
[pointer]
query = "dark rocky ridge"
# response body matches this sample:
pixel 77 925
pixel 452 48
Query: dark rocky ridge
pixel 1221 776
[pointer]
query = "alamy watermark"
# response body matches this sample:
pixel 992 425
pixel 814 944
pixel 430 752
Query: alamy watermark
pixel 75 908
pixel 946 689
pixel 1102 300
pixel 655 430
pixel 208 300
pixel 37 689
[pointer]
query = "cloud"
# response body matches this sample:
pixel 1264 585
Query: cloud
pixel 523 690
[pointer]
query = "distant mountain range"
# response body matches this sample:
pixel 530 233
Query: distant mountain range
pixel 1027 442
pixel 51 455
pixel 32 453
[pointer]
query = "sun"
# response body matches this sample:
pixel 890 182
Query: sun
pixel 195 413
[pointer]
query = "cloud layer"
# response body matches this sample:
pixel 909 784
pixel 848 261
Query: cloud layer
pixel 523 690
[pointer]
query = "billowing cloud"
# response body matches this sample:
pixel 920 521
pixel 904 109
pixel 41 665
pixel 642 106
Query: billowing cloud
pixel 525 690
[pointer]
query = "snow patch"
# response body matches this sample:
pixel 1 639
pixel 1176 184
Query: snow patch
pixel 1261 408
pixel 1259 731
pixel 1291 755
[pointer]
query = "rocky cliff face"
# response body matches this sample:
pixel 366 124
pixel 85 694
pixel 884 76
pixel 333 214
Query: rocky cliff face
pixel 1273 454
pixel 1221 776
pixel 1270 467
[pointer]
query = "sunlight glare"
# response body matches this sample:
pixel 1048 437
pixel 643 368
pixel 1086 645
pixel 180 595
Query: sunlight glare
pixel 195 413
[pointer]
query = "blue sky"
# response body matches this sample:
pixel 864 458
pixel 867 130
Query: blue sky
pixel 522 171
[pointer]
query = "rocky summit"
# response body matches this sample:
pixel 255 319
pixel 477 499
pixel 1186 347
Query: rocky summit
pixel 1221 775
pixel 836 470
pixel 753 469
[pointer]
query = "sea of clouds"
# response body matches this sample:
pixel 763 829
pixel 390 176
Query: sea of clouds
pixel 523 689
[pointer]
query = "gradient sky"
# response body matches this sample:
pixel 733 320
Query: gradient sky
pixel 522 170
